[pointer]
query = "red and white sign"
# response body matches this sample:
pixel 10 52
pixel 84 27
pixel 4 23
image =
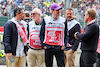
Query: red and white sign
pixel 35 39
pixel 54 36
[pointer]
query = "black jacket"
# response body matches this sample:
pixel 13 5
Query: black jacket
pixel 89 37
pixel 10 37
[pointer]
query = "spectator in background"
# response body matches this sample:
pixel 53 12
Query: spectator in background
pixel 27 20
pixel 27 16
pixel 93 6
pixel 3 7
pixel 62 4
pixel 52 2
pixel 58 2
pixel 5 12
pixel 75 6
pixel 47 3
pixel 9 9
pixel 1 11
pixel 98 13
pixel 14 5
pixel 29 7
pixel 38 4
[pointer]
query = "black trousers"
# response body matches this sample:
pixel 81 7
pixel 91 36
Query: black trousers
pixel 87 59
pixel 59 54
pixel 98 60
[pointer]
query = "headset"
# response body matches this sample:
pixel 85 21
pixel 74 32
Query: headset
pixel 17 10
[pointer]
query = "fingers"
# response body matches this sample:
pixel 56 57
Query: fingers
pixel 8 55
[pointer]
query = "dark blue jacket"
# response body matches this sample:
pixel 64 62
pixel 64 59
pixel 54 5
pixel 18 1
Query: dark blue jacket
pixel 71 39
pixel 89 37
pixel 10 37
pixel 42 34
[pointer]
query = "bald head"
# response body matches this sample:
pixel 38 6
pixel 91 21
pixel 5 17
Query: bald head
pixel 36 15
pixel 37 10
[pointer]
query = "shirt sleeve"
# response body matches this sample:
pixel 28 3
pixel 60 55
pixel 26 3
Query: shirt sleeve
pixel 76 43
pixel 42 32
pixel 7 37
pixel 66 35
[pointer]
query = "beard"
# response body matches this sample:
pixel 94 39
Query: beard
pixel 35 19
pixel 69 19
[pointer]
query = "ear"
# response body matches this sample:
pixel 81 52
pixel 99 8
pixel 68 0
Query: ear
pixel 88 16
pixel 51 11
pixel 16 14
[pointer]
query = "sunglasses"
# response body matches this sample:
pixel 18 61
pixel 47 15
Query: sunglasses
pixel 84 14
pixel 33 13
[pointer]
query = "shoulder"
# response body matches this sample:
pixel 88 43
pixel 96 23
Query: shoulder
pixel 62 19
pixel 9 23
pixel 77 25
pixel 47 18
pixel 31 22
pixel 24 22
pixel 94 26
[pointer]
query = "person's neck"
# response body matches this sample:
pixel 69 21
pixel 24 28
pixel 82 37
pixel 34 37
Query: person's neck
pixel 89 20
pixel 38 21
pixel 18 18
pixel 55 18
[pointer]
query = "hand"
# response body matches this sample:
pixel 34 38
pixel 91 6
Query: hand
pixel 62 48
pixel 26 53
pixel 75 35
pixel 71 51
pixel 8 55
pixel 45 47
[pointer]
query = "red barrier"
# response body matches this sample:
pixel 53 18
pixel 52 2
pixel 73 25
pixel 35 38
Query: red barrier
pixel 1 29
pixel 82 30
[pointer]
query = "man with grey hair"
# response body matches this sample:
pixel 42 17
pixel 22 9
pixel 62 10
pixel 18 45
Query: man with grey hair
pixel 35 52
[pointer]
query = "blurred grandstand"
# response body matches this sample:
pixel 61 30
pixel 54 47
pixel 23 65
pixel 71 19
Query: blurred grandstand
pixel 79 7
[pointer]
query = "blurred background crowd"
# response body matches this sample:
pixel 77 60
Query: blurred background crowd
pixel 7 6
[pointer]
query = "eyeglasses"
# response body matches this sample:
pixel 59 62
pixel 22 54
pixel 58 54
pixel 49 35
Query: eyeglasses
pixel 85 14
pixel 33 13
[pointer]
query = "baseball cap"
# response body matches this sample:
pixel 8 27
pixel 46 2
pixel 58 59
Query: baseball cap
pixel 55 6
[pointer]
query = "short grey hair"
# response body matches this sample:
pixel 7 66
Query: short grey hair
pixel 38 10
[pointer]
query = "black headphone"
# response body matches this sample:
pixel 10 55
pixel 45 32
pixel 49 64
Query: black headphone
pixel 17 10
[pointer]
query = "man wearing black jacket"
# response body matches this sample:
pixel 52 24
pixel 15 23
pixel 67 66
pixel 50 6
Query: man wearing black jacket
pixel 14 43
pixel 89 39
pixel 72 45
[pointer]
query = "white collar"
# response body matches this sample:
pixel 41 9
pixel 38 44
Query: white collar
pixel 91 22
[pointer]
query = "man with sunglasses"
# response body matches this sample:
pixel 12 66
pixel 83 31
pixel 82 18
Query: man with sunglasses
pixel 53 36
pixel 35 52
